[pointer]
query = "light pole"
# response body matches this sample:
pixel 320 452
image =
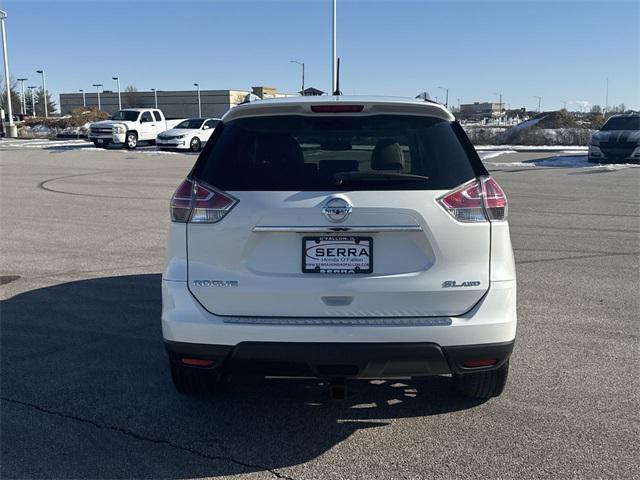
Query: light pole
pixel 334 73
pixel 12 131
pixel 98 85
pixel 84 98
pixel 446 101
pixel 539 102
pixel 32 89
pixel 606 101
pixel 44 89
pixel 199 104
pixel 155 96
pixel 117 79
pixel 23 103
pixel 302 65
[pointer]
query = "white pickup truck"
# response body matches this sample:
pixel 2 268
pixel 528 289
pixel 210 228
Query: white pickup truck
pixel 129 127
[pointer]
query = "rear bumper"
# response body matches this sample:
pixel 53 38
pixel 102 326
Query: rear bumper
pixel 492 321
pixel 361 360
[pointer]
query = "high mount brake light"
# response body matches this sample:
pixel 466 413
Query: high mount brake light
pixel 478 200
pixel 336 108
pixel 193 202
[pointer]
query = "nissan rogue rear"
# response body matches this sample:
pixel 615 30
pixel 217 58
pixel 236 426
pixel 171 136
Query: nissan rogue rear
pixel 339 237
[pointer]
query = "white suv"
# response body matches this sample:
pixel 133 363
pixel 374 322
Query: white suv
pixel 339 237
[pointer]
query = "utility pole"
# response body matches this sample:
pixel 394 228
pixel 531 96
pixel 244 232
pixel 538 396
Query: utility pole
pixel 32 89
pixel 117 79
pixel 334 73
pixel 98 85
pixel 12 130
pixel 539 102
pixel 155 96
pixel 199 104
pixel 446 101
pixel 606 101
pixel 44 89
pixel 84 99
pixel 23 103
pixel 302 65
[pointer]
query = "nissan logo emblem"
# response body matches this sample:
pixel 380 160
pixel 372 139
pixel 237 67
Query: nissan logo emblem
pixel 337 210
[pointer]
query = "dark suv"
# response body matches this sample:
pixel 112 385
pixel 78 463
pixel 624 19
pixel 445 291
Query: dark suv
pixel 618 141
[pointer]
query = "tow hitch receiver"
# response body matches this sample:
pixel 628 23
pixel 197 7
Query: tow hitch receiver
pixel 337 389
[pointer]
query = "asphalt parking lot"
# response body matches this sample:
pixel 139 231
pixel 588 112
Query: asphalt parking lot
pixel 86 392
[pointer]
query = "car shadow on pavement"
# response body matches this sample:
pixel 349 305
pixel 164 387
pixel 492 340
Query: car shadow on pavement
pixel 86 394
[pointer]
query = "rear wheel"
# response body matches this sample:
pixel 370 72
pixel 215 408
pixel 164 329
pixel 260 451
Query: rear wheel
pixel 195 144
pixel 131 140
pixel 193 380
pixel 483 385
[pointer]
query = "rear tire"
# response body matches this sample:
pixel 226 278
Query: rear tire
pixel 193 380
pixel 483 385
pixel 131 141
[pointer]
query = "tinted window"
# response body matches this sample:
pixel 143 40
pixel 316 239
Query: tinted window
pixel 191 123
pixel 146 117
pixel 622 123
pixel 384 152
pixel 211 123
pixel 126 115
pixel 157 116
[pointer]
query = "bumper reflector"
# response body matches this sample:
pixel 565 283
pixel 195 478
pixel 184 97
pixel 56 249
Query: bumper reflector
pixel 196 362
pixel 480 363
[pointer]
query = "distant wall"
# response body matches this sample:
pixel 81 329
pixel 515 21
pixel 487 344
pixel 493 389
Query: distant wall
pixel 174 104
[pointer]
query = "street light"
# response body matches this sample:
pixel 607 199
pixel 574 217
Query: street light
pixel 84 98
pixel 302 65
pixel 33 99
pixel 199 105
pixel 155 96
pixel 117 79
pixel 44 89
pixel 12 131
pixel 23 103
pixel 539 102
pixel 98 85
pixel 446 101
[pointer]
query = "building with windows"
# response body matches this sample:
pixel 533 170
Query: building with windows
pixel 480 110
pixel 174 103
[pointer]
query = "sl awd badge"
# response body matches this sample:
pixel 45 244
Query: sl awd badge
pixel 454 284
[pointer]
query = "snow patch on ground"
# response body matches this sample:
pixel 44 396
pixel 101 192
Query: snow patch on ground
pixel 484 155
pixel 569 161
pixel 533 148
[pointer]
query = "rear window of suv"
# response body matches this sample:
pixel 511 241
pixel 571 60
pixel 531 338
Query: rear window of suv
pixel 304 153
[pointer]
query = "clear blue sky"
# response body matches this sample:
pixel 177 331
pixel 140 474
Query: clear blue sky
pixel 561 50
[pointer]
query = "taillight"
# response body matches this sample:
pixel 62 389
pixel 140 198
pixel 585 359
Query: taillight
pixel 476 201
pixel 194 202
pixel 495 201
pixel 465 203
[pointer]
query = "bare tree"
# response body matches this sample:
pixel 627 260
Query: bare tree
pixel 131 98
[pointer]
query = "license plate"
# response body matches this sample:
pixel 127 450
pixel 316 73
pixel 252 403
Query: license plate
pixel 100 141
pixel 337 254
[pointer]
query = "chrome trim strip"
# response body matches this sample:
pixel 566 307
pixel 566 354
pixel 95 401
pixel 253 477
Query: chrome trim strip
pixel 356 321
pixel 330 229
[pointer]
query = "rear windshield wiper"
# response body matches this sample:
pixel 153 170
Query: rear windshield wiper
pixel 342 178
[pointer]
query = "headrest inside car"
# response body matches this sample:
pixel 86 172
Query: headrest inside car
pixel 387 155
